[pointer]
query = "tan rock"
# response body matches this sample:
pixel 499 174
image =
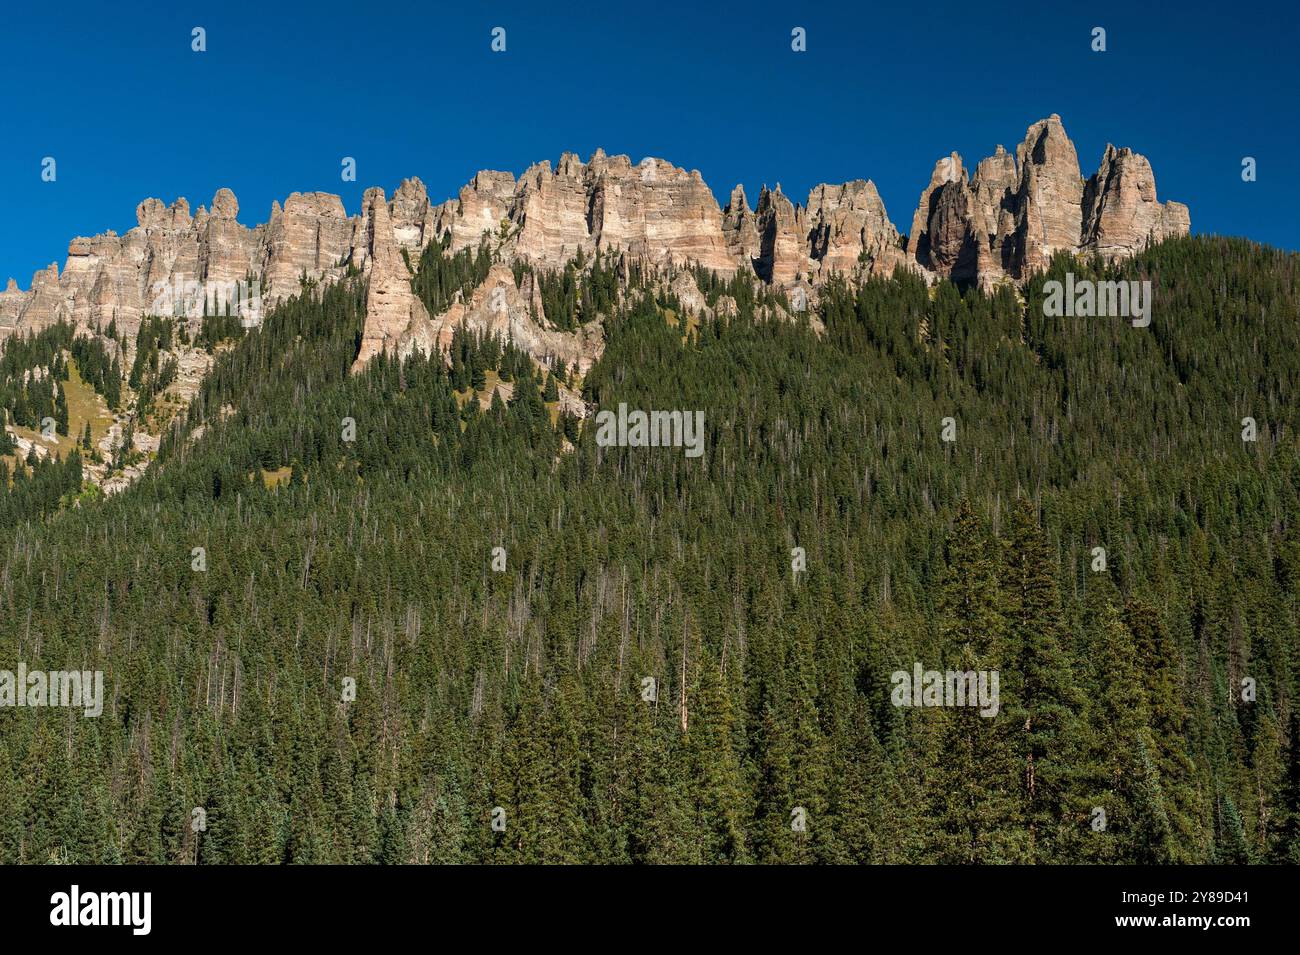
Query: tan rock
pixel 993 188
pixel 783 239
pixel 1051 195
pixel 226 251
pixel 850 229
pixel 47 303
pixel 394 313
pixel 312 234
pixel 414 220
pixel 12 300
pixel 655 211
pixel 740 229
pixel 1120 211
pixel 497 307
pixel 685 290
pixel 483 205
pixel 1009 221
pixel 1006 220
pixel 550 212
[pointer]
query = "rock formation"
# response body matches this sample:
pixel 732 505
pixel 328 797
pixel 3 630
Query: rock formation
pixel 849 228
pixel 311 234
pixel 652 210
pixel 1004 221
pixel 1015 213
pixel 782 231
pixel 740 229
pixel 1120 209
pixel 395 317
pixel 499 307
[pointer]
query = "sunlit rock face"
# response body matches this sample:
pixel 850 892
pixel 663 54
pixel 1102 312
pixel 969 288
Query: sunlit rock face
pixel 1003 222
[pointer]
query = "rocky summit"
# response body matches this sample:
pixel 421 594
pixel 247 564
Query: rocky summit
pixel 1014 213
pixel 1003 222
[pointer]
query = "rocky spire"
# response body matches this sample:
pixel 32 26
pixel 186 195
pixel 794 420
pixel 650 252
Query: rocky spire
pixel 1005 221
pixel 1017 212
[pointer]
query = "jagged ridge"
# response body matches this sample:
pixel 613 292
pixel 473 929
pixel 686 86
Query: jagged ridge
pixel 1005 221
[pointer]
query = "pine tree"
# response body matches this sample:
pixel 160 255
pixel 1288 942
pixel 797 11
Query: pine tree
pixel 1042 700
pixel 974 776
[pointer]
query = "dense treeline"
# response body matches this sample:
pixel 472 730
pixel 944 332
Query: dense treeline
pixel 438 276
pixel 99 369
pixel 150 374
pixel 739 288
pixel 34 371
pixel 33 368
pixel 651 677
pixel 473 355
pixel 37 486
pixel 582 291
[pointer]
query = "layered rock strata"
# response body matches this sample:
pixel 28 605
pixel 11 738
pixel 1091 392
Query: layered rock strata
pixel 1004 221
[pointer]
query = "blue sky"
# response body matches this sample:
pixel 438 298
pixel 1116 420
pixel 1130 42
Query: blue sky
pixel 114 93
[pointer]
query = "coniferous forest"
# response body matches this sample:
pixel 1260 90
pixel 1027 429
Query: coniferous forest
pixel 475 635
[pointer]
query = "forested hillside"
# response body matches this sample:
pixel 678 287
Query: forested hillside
pixel 519 695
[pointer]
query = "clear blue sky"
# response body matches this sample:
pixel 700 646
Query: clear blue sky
pixel 115 94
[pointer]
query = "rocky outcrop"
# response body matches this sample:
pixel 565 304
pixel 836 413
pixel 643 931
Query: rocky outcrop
pixel 498 307
pixel 684 288
pixel 12 300
pixel 947 222
pixel 841 228
pixel 414 219
pixel 782 238
pixel 993 188
pixel 112 278
pixel 395 317
pixel 1120 210
pixel 740 229
pixel 227 252
pixel 849 229
pixel 1004 221
pixel 1051 194
pixel 45 303
pixel 483 206
pixel 656 212
pixel 1014 214
pixel 312 234
pixel 664 215
pixel 652 211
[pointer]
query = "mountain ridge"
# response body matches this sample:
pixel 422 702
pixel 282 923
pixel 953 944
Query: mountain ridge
pixel 1003 222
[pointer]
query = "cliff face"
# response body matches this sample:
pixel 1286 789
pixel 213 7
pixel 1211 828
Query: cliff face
pixel 1005 221
pixel 652 210
pixel 1120 208
pixel 394 313
pixel 121 278
pixel 1008 219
